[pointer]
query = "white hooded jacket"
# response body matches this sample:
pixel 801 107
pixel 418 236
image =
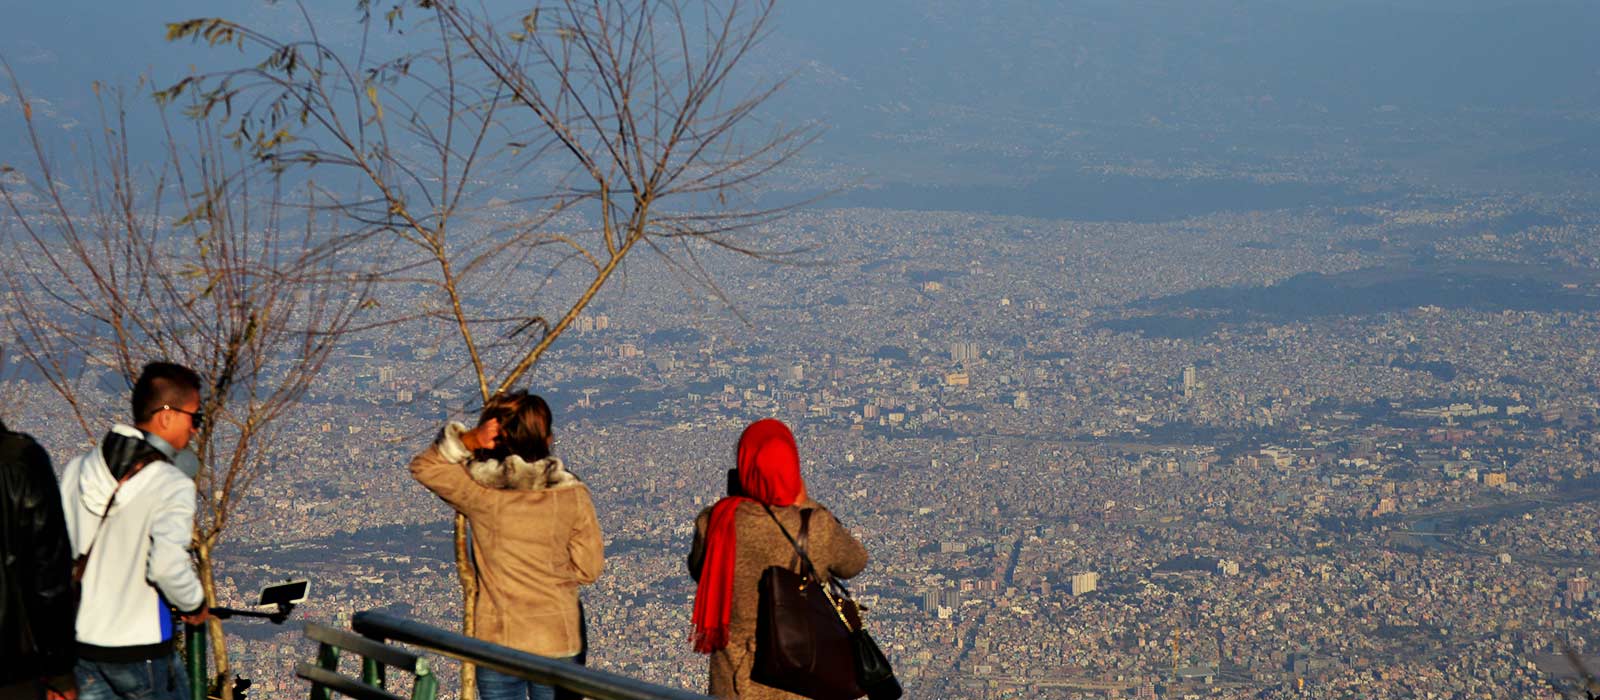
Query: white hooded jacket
pixel 138 552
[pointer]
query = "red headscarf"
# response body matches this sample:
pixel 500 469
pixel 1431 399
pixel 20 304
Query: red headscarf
pixel 769 473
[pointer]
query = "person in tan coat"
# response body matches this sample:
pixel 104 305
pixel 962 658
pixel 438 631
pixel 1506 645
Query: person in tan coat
pixel 535 537
pixel 735 540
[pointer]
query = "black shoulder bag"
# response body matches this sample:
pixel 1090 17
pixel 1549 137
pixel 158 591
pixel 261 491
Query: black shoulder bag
pixel 80 564
pixel 809 636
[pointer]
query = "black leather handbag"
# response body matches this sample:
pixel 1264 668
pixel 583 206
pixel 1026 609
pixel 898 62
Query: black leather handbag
pixel 873 672
pixel 809 638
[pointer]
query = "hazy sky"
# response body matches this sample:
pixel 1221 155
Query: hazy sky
pixel 1511 78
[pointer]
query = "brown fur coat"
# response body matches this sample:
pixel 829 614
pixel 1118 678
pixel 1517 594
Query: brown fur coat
pixel 535 540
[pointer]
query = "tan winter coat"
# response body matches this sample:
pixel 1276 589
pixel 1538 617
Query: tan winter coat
pixel 760 545
pixel 535 539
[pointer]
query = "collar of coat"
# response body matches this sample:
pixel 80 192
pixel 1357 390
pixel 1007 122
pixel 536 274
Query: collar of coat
pixel 512 472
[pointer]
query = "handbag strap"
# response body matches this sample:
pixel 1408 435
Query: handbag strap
pixel 805 529
pixel 800 549
pixel 112 501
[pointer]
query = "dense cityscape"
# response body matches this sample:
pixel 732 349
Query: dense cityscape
pixel 1076 478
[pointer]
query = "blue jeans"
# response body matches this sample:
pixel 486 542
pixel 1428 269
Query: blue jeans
pixel 157 679
pixel 494 685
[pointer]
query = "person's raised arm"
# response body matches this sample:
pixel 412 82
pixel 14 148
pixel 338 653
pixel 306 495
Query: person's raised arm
pixel 846 556
pixel 439 468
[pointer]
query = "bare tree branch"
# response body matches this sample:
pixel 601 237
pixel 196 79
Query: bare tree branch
pixel 602 124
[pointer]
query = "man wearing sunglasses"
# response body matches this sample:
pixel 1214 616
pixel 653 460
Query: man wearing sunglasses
pixel 129 514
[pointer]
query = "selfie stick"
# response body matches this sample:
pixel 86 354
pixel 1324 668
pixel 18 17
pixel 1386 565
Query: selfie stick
pixel 277 617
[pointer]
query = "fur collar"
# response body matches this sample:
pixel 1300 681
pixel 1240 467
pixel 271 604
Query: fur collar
pixel 512 472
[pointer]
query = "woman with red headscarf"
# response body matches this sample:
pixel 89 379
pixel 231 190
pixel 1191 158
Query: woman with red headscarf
pixel 735 540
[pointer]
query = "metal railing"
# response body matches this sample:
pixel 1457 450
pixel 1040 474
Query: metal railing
pixel 588 682
pixel 195 653
pixel 376 658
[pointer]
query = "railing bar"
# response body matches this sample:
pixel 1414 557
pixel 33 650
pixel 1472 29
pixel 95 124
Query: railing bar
pixel 349 641
pixel 344 686
pixel 592 683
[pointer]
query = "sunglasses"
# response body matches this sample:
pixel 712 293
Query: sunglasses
pixel 196 418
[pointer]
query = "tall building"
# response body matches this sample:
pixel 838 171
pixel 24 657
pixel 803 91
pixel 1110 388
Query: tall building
pixel 963 351
pixel 1191 382
pixel 796 373
pixel 951 598
pixel 1085 582
pixel 1577 590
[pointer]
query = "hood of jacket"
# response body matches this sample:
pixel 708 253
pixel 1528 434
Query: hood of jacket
pixel 122 450
pixel 513 472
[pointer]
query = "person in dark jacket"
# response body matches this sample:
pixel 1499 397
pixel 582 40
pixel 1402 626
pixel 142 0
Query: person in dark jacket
pixel 37 605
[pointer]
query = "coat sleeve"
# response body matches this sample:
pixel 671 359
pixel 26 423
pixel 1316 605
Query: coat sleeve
pixel 169 567
pixel 50 600
pixel 697 549
pixel 439 469
pixel 845 555
pixel 586 546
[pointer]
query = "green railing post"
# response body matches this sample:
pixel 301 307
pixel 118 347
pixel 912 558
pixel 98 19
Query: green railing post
pixel 371 672
pixel 427 685
pixel 194 638
pixel 328 658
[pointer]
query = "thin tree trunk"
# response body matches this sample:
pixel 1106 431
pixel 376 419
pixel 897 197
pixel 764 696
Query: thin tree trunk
pixel 469 603
pixel 221 674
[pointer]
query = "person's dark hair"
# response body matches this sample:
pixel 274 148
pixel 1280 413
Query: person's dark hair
pixel 525 426
pixel 162 384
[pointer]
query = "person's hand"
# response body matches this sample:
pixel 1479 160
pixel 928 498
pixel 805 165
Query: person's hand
pixel 63 687
pixel 482 437
pixel 197 617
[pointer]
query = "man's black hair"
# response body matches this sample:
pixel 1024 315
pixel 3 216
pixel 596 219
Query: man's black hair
pixel 162 384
